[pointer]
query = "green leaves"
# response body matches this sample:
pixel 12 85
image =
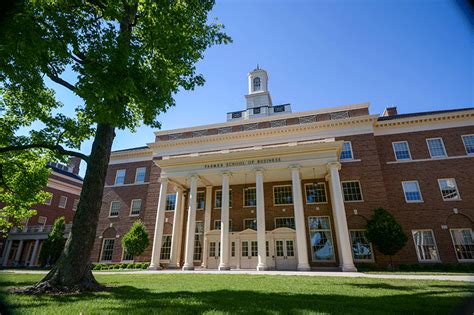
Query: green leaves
pixel 136 240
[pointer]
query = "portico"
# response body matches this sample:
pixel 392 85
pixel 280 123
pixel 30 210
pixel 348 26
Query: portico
pixel 252 246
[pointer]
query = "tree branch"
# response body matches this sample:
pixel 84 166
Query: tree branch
pixel 62 82
pixel 57 148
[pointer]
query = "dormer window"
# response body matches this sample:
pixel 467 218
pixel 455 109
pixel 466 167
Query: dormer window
pixel 256 84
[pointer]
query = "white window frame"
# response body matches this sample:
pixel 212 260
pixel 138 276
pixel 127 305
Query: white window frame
pixel 45 220
pixel 306 193
pixel 116 177
pixel 102 250
pixel 110 209
pixel 243 196
pixel 395 152
pixel 360 187
pixel 455 185
pixel 175 202
pixel 197 193
pixel 170 247
pixel 370 244
pixel 131 208
pixel 49 201
pixel 218 220
pixel 419 189
pixel 416 247
pixel 332 239
pixel 74 204
pixel 275 221
pixel 245 219
pixel 136 174
pixel 352 152
pixel 215 198
pixel 282 204
pixel 454 244
pixel 65 202
pixel 123 256
pixel 442 143
pixel 194 244
pixel 465 147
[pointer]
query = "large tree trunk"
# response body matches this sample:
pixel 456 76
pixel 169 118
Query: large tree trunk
pixel 73 272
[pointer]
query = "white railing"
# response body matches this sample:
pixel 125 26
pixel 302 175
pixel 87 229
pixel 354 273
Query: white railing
pixel 37 229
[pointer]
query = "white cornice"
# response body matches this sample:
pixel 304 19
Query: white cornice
pixel 141 154
pixel 62 186
pixel 72 179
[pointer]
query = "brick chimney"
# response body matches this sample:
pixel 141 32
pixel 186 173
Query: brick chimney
pixel 74 163
pixel 390 111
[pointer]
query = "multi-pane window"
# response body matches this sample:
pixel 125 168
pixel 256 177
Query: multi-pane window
pixel 49 199
pixel 321 239
pixel 62 202
pixel 170 202
pixel 250 197
pixel 198 239
pixel 200 200
pixel 107 249
pixel 42 220
pixel 401 150
pixel 217 225
pixel 126 256
pixel 232 249
pixel 285 222
pixel 120 177
pixel 114 208
pixel 361 247
pixel 245 248
pixel 135 207
pixel 254 248
pixel 449 189
pixel 315 193
pixel 425 245
pixel 140 175
pixel 436 147
pixel 468 141
pixel 166 248
pixel 250 224
pixel 74 205
pixel 352 191
pixel 463 241
pixel 412 192
pixel 218 200
pixel 346 152
pixel 256 84
pixel 282 195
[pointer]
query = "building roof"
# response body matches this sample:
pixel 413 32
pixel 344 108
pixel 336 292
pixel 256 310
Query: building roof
pixel 131 149
pixel 66 173
pixel 400 116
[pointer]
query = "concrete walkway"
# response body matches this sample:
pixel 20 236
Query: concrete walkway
pixel 466 278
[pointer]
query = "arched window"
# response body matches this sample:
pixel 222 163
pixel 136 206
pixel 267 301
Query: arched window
pixel 256 84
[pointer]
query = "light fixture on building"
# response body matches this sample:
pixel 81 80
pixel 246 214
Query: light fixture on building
pixel 455 210
pixel 317 208
pixel 283 209
pixel 355 211
pixel 111 225
pixel 444 227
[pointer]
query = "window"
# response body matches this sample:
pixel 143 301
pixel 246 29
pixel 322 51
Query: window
pixel 361 247
pixel 285 222
pixel 114 208
pixel 321 239
pixel 135 207
pixel 236 115
pixel 468 143
pixel 107 249
pixel 463 241
pixel 250 224
pixel 62 202
pixel 449 189
pixel 49 199
pixel 250 197
pixel 282 195
pixel 200 200
pixel 256 84
pixel 218 200
pixel 315 193
pixel 198 239
pixel 170 202
pixel 278 123
pixel 425 245
pixel 42 220
pixel 257 110
pixel 250 127
pixel 166 248
pixel 140 175
pixel 352 191
pixel 436 147
pixel 217 225
pixel 279 109
pixel 74 205
pixel 401 150
pixel 120 177
pixel 254 248
pixel 412 191
pixel 346 152
pixel 232 249
pixel 126 256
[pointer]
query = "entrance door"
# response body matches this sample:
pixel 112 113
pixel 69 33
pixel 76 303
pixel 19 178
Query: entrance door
pixel 249 255
pixel 285 258
pixel 214 255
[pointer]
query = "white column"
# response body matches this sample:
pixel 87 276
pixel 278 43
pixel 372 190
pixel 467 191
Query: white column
pixel 207 225
pixel 18 252
pixel 160 219
pixel 175 248
pixel 301 245
pixel 339 213
pixel 224 263
pixel 34 254
pixel 6 253
pixel 191 226
pixel 262 255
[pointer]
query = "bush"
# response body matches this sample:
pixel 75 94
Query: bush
pixel 135 241
pixel 54 245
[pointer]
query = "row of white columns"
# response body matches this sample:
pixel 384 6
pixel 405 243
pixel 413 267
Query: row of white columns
pixel 341 229
pixel 8 247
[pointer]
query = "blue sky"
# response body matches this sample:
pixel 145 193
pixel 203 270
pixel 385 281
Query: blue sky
pixel 417 55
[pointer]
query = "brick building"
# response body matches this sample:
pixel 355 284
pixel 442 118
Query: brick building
pixel 23 245
pixel 295 189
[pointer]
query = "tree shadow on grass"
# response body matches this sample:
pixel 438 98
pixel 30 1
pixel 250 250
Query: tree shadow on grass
pixel 129 299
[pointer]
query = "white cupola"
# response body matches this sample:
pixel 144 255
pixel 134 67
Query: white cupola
pixel 258 94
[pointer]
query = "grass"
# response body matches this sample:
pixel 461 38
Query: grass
pixel 243 294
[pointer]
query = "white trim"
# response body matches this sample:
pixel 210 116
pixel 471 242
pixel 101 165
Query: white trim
pixel 62 186
pixel 352 152
pixel 283 204
pixel 416 247
pixel 74 204
pixel 131 207
pixel 395 151
pixel 136 175
pixel 435 159
pixel 350 161
pixel 370 244
pixel 126 185
pixel 215 198
pixel 124 176
pixel 442 143
pixel 219 220
pixel 122 158
pixel 243 196
pixel 48 202
pixel 419 190
pixel 465 147
pixel 175 201
pixel 332 240
pixel 125 261
pixel 197 193
pixel 455 185
pixel 67 177
pixel 454 245
pixel 360 188
pixel 110 209
pixel 65 202
pixel 102 251
pixel 275 219
pixel 243 222
pixel 306 194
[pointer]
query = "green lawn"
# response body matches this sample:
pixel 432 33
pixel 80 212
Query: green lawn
pixel 244 294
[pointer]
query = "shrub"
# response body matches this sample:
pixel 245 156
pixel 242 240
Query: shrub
pixel 54 245
pixel 135 241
